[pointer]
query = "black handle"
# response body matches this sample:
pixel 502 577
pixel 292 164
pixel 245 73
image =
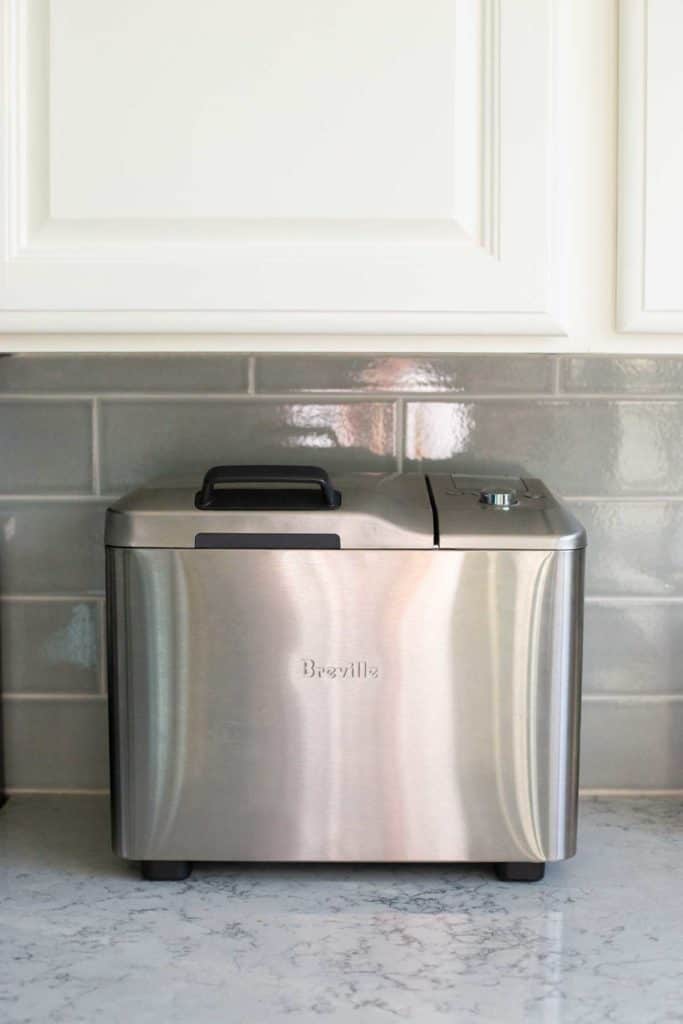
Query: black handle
pixel 212 497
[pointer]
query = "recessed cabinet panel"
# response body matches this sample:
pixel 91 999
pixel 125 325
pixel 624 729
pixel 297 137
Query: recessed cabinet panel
pixel 650 166
pixel 258 110
pixel 282 165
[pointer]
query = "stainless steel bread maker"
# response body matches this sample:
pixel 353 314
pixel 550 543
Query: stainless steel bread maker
pixel 384 668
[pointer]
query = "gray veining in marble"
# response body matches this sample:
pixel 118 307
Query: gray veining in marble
pixel 86 941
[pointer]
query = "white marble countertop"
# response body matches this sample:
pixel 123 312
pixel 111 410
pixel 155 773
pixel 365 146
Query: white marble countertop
pixel 85 940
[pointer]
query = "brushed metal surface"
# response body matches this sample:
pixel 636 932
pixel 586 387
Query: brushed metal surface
pixel 344 705
pixel 536 521
pixel 378 511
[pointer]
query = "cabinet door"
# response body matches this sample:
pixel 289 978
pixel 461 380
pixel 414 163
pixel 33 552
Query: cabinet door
pixel 650 296
pixel 282 165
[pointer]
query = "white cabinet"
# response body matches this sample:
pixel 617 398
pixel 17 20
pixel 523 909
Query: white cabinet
pixel 650 284
pixel 285 165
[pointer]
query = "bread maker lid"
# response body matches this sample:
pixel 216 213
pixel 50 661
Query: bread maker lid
pixel 375 511
pixel 502 513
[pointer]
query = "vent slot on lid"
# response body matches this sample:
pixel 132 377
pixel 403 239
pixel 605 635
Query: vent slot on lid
pixel 269 541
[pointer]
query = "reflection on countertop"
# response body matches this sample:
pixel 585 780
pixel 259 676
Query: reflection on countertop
pixel 601 939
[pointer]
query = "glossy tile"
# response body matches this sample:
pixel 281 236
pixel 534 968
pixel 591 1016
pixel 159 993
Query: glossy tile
pixel 416 373
pixel 99 373
pixel 636 375
pixel 632 744
pixel 141 440
pixel 52 547
pixel 634 548
pixel 633 648
pixel 50 647
pixel 55 744
pixel 45 447
pixel 577 447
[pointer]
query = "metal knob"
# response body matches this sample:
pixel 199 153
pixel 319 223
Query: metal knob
pixel 499 499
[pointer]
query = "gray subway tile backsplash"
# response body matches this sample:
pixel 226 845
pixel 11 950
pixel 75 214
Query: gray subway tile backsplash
pixel 100 373
pixel 632 745
pixel 631 375
pixel 577 447
pixel 51 646
pixel 459 374
pixel 140 440
pixel 52 547
pixel 633 647
pixel 45 447
pixel 56 744
pixel 595 439
pixel 635 548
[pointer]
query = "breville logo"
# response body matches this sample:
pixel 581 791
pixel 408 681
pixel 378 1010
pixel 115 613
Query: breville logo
pixel 351 670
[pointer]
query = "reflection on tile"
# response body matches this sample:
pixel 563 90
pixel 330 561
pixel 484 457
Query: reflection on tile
pixel 45 447
pixel 484 374
pixel 52 547
pixel 50 646
pixel 577 447
pixel 627 374
pixel 632 744
pixel 56 744
pixel 634 548
pixel 141 440
pixel 98 373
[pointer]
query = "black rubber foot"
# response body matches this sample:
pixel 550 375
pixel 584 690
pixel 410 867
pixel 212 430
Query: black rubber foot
pixel 166 870
pixel 520 871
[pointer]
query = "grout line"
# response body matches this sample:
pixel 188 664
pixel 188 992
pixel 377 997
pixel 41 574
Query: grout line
pixel 557 375
pixel 291 397
pixel 632 698
pixel 61 698
pixel 96 446
pixel 103 689
pixel 623 498
pixel 251 375
pixel 547 397
pixel 45 791
pixel 40 598
pixel 353 394
pixel 59 497
pixel 632 599
pixel 544 397
pixel 121 396
pixel 114 496
pixel 399 434
pixel 39 396
pixel 591 792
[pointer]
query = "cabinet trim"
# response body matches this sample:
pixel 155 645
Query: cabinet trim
pixel 633 314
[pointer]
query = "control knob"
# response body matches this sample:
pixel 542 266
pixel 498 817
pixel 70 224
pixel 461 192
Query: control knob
pixel 499 499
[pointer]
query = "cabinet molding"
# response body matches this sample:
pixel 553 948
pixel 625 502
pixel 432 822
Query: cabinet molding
pixel 650 160
pixel 308 167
